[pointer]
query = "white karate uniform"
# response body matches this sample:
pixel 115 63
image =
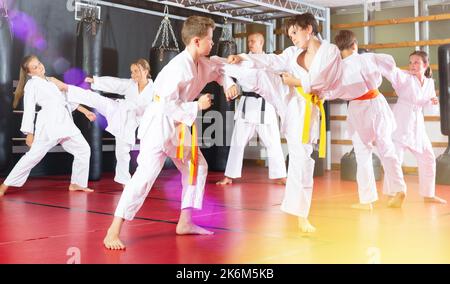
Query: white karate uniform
pixel 176 86
pixel 369 122
pixel 324 74
pixel 123 115
pixel 253 120
pixel 410 133
pixel 54 125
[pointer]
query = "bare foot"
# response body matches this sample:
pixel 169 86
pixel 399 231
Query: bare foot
pixel 305 226
pixel 112 241
pixel 360 206
pixel 397 200
pixel 3 189
pixel 434 199
pixel 225 181
pixel 281 181
pixel 75 187
pixel 191 229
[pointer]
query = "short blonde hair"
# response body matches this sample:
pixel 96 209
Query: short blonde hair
pixel 196 26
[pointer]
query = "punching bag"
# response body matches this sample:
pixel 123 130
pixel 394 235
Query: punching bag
pixel 443 161
pixel 159 57
pixel 89 58
pixel 349 165
pixel 162 54
pixel 6 90
pixel 219 117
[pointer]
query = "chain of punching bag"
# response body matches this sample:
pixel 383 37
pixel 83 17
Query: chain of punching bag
pixel 90 18
pixel 165 27
pixel 227 34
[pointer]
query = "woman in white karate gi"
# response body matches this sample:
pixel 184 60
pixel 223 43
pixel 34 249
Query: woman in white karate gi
pixel 415 90
pixel 54 125
pixel 318 66
pixel 123 115
pixel 370 120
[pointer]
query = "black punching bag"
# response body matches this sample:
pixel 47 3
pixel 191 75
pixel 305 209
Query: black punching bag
pixel 5 93
pixel 443 161
pixel 220 118
pixel 159 57
pixel 349 165
pixel 89 58
pixel 168 49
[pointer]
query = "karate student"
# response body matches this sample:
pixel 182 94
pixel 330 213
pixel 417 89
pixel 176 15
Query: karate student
pixel 54 125
pixel 415 90
pixel 254 114
pixel 164 133
pixel 370 120
pixel 123 115
pixel 315 66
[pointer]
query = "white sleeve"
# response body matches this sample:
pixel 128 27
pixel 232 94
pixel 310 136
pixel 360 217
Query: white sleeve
pixel 173 106
pixel 389 70
pixel 29 110
pixel 111 84
pixel 274 62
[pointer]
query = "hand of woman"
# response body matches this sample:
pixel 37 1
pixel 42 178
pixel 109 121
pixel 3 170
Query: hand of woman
pixel 89 80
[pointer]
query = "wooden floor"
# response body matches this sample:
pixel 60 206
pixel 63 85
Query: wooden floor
pixel 44 223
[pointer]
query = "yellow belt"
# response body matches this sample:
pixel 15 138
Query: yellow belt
pixel 193 163
pixel 314 100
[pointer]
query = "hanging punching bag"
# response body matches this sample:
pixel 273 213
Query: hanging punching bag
pixel 159 57
pixel 5 93
pixel 89 58
pixel 162 54
pixel 443 161
pixel 217 153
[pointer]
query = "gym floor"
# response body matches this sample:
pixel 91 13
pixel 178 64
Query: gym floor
pixel 44 223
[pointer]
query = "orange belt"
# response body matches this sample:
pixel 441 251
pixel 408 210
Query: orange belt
pixel 193 163
pixel 368 96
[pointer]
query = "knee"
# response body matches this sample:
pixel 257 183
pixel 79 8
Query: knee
pixel 202 164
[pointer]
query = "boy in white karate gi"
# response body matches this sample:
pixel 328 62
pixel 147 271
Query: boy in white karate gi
pixel 165 121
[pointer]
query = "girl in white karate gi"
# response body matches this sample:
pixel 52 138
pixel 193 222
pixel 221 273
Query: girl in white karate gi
pixel 123 115
pixel 317 64
pixel 54 125
pixel 415 90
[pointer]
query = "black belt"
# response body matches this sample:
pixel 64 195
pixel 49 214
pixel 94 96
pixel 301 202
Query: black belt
pixel 263 103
